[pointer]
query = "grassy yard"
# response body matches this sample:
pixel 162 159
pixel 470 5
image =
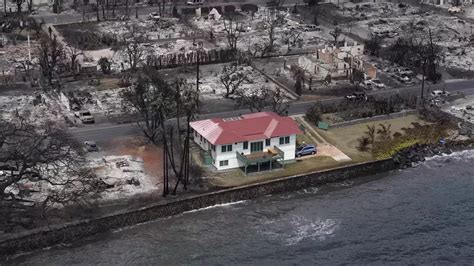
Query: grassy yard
pixel 346 138
pixel 237 178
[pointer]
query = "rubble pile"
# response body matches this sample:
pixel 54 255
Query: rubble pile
pixel 122 176
pixel 108 102
pixel 39 107
pixel 156 29
pixel 462 108
pixel 391 21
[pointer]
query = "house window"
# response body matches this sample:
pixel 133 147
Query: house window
pixel 201 138
pixel 224 163
pixel 226 148
pixel 267 142
pixel 284 140
pixel 195 134
pixel 246 145
pixel 256 146
pixel 213 147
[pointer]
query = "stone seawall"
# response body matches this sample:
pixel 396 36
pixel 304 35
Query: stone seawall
pixel 72 231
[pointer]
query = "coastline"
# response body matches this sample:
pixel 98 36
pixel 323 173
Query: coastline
pixel 53 235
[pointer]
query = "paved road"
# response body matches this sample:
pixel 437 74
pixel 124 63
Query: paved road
pixel 104 132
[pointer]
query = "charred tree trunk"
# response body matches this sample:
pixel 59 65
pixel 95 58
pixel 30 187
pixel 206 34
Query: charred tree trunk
pixel 113 8
pixel 97 10
pixel 126 8
pixel 103 10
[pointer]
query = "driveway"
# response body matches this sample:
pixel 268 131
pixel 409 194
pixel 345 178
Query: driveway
pixel 324 148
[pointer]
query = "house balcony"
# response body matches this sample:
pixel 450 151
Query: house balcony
pixel 273 154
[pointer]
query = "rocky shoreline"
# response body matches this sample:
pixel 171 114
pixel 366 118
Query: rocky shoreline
pixel 409 157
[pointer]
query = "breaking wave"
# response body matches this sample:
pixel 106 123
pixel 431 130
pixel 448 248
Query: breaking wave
pixel 294 229
pixel 456 156
pixel 216 206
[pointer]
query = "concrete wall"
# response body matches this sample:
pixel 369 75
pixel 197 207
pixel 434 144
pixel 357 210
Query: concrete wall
pixel 374 118
pixel 68 232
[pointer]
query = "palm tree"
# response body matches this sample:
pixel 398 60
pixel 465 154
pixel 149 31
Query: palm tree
pixel 370 133
pixel 384 132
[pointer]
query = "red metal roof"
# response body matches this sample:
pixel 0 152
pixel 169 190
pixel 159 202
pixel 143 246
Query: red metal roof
pixel 256 126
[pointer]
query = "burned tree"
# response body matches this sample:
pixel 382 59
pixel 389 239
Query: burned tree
pixel 232 76
pixel 291 37
pixel 417 53
pixel 264 97
pixel 35 26
pixel 255 100
pixel 314 5
pixel 279 101
pixel 73 55
pixel 373 45
pixel 133 50
pixel 19 3
pixel 187 106
pixel 271 20
pixel 51 55
pixel 151 99
pixel 40 167
pixel 104 65
pixel 231 28
pixel 160 107
pixel 335 34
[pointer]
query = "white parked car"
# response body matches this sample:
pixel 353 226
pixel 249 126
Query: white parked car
pixel 377 83
pixel 194 2
pixel 439 93
pixel 312 28
pixel 404 71
pixel 91 146
pixel 85 116
pixel 154 16
pixel 367 84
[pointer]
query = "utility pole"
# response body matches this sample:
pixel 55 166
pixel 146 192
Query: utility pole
pixel 136 9
pixel 197 73
pixel 29 49
pixel 423 82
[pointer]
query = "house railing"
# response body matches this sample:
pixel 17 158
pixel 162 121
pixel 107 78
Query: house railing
pixel 271 154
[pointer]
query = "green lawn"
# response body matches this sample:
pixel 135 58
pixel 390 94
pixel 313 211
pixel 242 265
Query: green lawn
pixel 346 138
pixel 236 177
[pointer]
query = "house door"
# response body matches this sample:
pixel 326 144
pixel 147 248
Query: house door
pixel 256 146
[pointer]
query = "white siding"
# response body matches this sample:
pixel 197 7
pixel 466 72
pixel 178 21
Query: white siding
pixel 204 144
pixel 289 150
pixel 229 155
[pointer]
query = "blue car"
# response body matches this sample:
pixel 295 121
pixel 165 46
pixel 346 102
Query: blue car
pixel 305 150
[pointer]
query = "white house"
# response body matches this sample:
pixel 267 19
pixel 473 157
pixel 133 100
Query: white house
pixel 251 139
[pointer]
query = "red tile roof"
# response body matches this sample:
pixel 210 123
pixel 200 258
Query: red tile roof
pixel 256 126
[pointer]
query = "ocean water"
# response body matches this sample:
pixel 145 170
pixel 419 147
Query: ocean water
pixel 421 215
